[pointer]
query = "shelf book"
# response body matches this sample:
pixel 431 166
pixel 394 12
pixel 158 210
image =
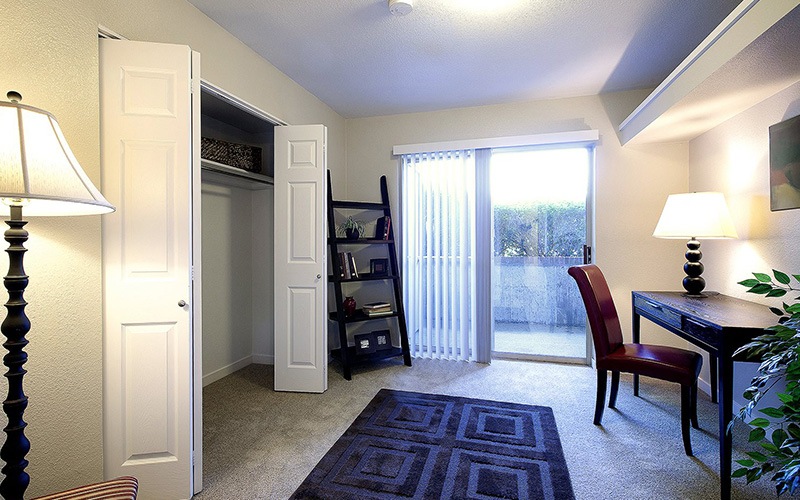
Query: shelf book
pixel 347 266
pixel 375 309
pixel 382 226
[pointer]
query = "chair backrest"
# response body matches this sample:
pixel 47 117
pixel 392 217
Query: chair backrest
pixel 603 318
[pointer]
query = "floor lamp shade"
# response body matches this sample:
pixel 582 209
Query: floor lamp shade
pixel 40 175
pixel 692 216
pixel 38 169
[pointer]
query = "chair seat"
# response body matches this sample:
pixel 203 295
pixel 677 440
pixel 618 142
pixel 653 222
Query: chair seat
pixel 663 362
pixel 121 488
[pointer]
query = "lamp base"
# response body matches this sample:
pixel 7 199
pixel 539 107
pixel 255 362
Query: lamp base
pixel 14 327
pixel 693 283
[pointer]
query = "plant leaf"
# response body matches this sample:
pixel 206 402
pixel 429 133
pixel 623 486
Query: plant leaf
pixel 781 277
pixel 749 282
pixel 759 422
pixel 739 472
pixel 764 278
pixel 772 412
pixel 757 456
pixel 776 292
pixel 777 311
pixel 757 434
pixel 761 288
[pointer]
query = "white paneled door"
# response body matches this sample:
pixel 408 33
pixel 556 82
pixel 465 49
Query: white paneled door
pixel 148 119
pixel 301 340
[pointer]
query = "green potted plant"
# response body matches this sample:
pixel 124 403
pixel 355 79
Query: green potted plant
pixel 777 432
pixel 352 229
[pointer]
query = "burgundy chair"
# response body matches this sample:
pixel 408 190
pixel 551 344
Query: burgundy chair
pixel 662 362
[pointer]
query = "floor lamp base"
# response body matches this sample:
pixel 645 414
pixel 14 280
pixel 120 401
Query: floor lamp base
pixel 14 327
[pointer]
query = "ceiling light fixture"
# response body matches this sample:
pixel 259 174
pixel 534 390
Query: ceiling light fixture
pixel 400 7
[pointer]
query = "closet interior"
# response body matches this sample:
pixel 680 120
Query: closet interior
pixel 237 239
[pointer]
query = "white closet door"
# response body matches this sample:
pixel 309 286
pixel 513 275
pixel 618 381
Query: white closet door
pixel 149 162
pixel 301 340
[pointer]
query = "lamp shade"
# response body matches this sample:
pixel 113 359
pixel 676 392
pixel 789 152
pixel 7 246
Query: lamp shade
pixel 37 168
pixel 695 215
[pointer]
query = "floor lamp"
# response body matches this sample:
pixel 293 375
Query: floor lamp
pixel 40 175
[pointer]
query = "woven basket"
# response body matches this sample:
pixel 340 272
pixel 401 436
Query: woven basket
pixel 231 154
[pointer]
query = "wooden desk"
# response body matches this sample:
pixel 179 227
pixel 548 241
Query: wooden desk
pixel 717 324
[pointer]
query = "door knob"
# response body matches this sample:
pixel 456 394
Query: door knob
pixel 181 303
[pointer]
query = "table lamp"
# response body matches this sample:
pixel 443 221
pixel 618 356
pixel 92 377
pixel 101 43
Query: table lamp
pixel 38 173
pixel 692 216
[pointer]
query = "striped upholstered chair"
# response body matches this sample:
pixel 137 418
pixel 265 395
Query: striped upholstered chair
pixel 121 488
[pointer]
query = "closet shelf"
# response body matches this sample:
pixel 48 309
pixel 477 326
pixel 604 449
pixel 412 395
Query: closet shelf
pixel 219 173
pixel 752 55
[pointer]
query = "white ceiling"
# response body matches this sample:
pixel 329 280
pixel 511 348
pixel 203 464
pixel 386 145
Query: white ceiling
pixel 362 61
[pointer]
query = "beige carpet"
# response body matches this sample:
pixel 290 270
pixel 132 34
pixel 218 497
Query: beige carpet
pixel 259 443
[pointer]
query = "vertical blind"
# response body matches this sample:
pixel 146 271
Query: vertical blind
pixel 438 228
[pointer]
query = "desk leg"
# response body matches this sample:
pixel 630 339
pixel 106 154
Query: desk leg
pixel 713 370
pixel 725 381
pixel 636 320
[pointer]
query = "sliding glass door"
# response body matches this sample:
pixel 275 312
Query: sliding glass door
pixel 539 206
pixel 487 237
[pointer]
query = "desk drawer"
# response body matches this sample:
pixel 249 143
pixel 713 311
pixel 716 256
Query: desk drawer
pixel 657 312
pixel 701 331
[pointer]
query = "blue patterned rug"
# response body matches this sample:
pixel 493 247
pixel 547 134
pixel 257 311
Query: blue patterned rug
pixel 426 446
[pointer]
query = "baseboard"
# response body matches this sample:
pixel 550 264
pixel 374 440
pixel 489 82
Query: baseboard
pixel 227 370
pixel 263 359
pixel 706 388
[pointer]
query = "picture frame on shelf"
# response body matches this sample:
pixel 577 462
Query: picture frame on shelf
pixel 379 267
pixel 365 343
pixel 383 339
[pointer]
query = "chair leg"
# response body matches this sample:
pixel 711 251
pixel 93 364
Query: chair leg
pixel 695 424
pixel 686 416
pixel 602 377
pixel 612 399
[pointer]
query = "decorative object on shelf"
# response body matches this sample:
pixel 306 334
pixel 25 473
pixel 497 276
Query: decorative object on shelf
pixel 382 227
pixel 780 366
pixel 349 306
pixel 693 215
pixel 365 343
pixel 379 267
pixel 383 339
pixel 784 164
pixel 231 154
pixel 352 229
pixel 39 173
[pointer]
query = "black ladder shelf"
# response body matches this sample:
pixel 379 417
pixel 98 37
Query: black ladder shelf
pixel 347 354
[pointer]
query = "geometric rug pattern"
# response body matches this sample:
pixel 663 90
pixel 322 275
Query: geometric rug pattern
pixel 425 446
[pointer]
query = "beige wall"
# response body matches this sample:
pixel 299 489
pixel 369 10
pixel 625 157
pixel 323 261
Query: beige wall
pixel 734 158
pixel 50 56
pixel 632 183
